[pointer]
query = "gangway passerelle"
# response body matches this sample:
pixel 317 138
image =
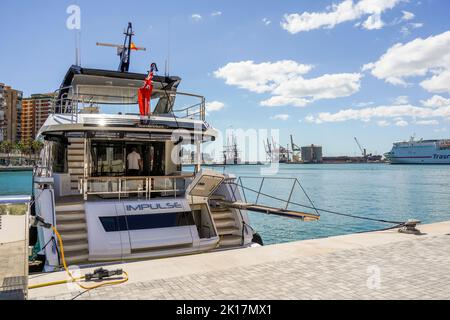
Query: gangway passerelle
pixel 257 206
pixel 269 210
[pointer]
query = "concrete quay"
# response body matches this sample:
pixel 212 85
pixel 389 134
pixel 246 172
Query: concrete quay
pixel 13 257
pixel 375 265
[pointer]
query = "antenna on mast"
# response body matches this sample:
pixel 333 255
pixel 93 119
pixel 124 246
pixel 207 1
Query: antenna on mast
pixel 77 48
pixel 167 71
pixel 124 51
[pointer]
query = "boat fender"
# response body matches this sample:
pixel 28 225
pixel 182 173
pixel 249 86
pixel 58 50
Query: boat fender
pixel 257 239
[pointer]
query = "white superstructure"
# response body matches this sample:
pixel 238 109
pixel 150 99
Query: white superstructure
pixel 420 152
pixel 106 210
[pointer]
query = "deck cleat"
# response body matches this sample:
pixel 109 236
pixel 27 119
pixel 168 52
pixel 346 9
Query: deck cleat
pixel 409 227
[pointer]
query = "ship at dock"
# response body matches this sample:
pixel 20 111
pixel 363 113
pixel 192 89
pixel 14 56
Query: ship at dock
pixel 420 152
pixel 111 186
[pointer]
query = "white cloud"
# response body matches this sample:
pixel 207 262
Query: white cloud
pixel 396 112
pixel 400 100
pixel 373 22
pixel 407 15
pixel 285 82
pixel 363 104
pixel 416 25
pixel 420 57
pixel 436 102
pixel 216 13
pixel 383 123
pixel 310 118
pixel 266 21
pixel 262 77
pixel 440 82
pixel 427 122
pixel 282 117
pixel 405 30
pixel 277 101
pixel 196 17
pixel 214 106
pixel 401 123
pixel 301 91
pixel 345 11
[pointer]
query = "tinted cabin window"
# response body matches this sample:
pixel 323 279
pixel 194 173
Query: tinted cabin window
pixel 59 156
pixel 147 221
pixel 108 159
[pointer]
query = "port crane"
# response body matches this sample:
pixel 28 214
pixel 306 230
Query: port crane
pixel 368 157
pixel 124 51
pixel 363 150
pixel 294 147
pixel 277 153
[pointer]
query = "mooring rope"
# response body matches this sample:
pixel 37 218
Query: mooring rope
pixel 398 223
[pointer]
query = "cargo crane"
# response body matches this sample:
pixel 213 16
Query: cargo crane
pixel 268 149
pixel 295 148
pixel 363 150
pixel 368 157
pixel 124 51
pixel 276 153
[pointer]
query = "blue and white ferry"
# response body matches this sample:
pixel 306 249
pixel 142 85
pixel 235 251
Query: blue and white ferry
pixel 420 152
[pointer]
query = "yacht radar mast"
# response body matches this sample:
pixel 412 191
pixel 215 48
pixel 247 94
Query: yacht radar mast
pixel 124 51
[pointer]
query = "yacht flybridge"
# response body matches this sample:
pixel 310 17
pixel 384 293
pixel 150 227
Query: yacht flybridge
pixel 111 181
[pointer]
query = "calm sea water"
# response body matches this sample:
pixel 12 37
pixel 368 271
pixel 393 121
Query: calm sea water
pixel 391 192
pixel 371 190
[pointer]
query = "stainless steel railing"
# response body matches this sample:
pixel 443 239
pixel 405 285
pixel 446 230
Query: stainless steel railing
pixel 145 187
pixel 74 104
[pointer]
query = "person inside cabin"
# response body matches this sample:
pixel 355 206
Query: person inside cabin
pixel 134 162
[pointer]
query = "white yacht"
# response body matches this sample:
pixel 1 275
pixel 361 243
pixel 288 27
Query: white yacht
pixel 420 152
pixel 112 183
pixel 104 210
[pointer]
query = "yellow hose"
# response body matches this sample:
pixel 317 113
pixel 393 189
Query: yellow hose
pixel 72 278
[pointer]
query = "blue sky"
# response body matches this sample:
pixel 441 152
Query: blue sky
pixel 325 71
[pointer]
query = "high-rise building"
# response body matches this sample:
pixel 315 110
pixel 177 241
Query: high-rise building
pixel 10 113
pixel 2 112
pixel 35 111
pixel 28 129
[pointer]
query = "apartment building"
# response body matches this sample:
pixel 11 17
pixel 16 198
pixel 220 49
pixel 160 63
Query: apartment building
pixel 35 111
pixel 10 113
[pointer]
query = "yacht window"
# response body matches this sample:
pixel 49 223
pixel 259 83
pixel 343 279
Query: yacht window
pixel 59 157
pixel 108 159
pixel 147 221
pixel 156 159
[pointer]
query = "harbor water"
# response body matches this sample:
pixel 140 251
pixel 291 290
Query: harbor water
pixel 377 191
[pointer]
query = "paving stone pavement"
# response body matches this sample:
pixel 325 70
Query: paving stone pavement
pixel 412 269
pixel 12 270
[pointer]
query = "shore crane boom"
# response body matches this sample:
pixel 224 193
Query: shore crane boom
pixel 363 150
pixel 294 147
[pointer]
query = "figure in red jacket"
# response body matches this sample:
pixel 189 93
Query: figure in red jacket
pixel 145 92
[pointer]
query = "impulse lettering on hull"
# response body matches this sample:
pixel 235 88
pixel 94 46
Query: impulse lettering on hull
pixel 155 206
